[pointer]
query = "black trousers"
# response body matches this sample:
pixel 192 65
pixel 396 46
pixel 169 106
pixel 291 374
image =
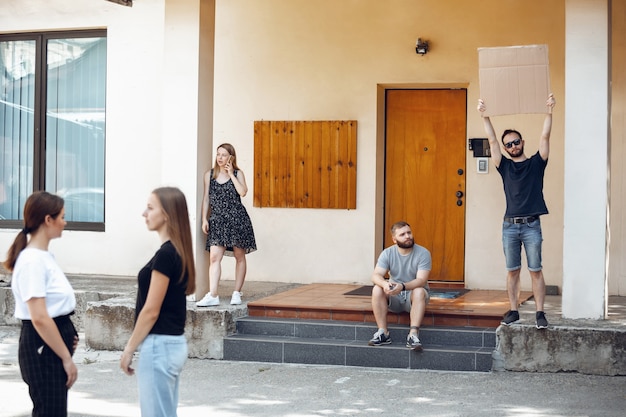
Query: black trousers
pixel 42 369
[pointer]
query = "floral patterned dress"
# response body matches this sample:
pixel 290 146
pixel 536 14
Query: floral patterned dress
pixel 229 222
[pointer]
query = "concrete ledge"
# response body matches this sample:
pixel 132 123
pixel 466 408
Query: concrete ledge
pixel 595 351
pixel 105 311
pixel 109 324
pixel 7 307
pixel 107 318
pixel 83 298
pixel 206 329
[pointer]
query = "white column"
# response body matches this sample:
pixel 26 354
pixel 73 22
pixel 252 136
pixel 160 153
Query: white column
pixel 586 192
pixel 187 123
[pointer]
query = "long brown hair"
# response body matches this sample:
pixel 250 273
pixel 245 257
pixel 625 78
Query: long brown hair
pixel 231 150
pixel 38 205
pixel 174 205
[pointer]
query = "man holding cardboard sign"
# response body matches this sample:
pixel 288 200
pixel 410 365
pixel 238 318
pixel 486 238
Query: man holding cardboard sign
pixel 523 188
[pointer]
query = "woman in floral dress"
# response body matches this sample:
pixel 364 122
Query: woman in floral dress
pixel 226 222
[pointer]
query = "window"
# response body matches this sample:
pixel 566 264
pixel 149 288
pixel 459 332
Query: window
pixel 52 123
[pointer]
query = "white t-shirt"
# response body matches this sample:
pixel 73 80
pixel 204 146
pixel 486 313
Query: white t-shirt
pixel 37 275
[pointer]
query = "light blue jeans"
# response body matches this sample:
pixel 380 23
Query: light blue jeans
pixel 161 360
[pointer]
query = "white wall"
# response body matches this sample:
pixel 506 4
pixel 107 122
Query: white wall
pixel 148 144
pixel 324 59
pixel 585 233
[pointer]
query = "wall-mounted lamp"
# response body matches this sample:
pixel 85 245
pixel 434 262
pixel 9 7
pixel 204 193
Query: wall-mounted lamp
pixel 128 3
pixel 421 47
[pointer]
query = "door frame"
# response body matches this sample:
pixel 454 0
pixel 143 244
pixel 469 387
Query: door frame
pixel 379 215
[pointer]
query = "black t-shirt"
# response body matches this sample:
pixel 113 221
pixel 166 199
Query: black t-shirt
pixel 523 186
pixel 173 312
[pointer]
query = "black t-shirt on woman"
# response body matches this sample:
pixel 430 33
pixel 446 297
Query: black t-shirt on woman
pixel 173 312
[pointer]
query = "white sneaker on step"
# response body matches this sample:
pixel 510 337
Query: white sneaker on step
pixel 208 301
pixel 191 297
pixel 236 298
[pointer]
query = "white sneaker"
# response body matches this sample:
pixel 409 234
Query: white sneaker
pixel 236 298
pixel 191 297
pixel 208 301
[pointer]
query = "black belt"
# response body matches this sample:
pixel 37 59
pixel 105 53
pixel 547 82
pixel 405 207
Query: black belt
pixel 56 319
pixel 518 220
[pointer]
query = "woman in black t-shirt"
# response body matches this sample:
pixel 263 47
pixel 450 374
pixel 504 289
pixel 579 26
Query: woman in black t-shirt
pixel 161 306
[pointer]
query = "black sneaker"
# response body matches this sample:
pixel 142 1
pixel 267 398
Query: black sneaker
pixel 510 317
pixel 380 338
pixel 413 342
pixel 542 322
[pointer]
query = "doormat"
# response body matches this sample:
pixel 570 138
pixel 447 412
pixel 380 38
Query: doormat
pixel 449 293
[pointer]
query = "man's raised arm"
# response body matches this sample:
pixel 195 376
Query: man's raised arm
pixel 544 142
pixel 494 146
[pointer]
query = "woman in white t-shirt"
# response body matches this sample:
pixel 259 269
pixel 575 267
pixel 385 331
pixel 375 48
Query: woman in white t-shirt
pixel 44 301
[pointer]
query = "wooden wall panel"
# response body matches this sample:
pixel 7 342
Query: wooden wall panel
pixel 305 164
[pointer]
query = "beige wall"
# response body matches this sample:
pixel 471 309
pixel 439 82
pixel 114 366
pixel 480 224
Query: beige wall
pixel 306 60
pixel 617 247
pixel 303 60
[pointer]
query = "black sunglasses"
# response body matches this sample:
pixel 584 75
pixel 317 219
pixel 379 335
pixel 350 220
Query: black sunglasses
pixel 515 142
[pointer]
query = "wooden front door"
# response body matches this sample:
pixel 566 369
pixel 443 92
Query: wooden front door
pixel 425 145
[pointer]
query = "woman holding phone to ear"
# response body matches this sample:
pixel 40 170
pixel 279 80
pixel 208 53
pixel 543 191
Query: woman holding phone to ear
pixel 226 222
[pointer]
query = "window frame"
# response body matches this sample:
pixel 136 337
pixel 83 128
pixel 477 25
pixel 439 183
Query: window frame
pixel 40 114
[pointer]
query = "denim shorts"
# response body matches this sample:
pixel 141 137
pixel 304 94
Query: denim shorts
pixel 516 234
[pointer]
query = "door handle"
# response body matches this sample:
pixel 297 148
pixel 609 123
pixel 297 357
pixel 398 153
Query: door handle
pixel 459 194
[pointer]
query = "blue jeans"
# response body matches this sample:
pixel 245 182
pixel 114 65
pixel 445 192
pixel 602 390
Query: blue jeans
pixel 516 234
pixel 161 360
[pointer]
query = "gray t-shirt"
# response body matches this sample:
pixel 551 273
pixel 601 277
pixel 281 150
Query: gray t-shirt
pixel 403 268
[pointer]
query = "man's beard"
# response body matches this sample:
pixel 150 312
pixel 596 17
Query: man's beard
pixel 406 244
pixel 516 154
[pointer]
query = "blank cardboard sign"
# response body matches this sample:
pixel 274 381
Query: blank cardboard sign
pixel 514 79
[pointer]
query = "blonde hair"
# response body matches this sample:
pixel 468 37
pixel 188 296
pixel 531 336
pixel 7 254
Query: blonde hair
pixel 231 150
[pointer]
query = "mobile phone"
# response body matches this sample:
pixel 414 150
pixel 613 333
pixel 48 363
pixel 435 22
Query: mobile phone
pixel 229 159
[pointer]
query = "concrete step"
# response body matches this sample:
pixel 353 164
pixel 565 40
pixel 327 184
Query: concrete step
pixel 325 342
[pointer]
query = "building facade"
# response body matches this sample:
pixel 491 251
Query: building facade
pixel 183 76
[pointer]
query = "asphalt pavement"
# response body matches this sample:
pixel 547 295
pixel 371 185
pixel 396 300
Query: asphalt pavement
pixel 237 389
